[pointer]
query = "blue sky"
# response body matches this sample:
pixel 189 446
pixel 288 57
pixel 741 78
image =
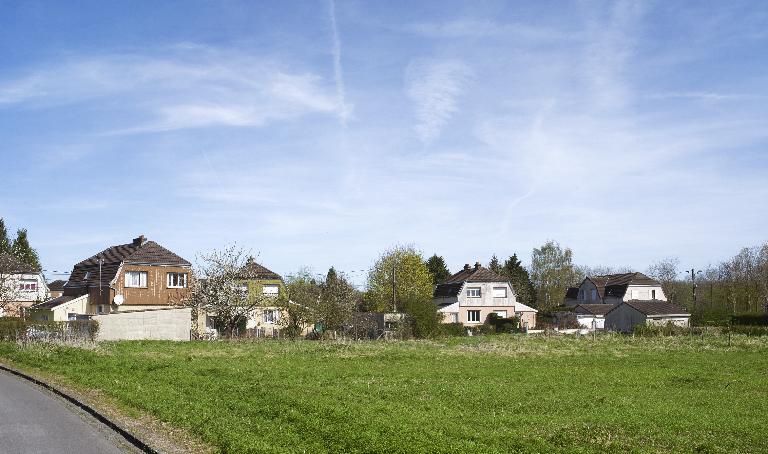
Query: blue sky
pixel 320 133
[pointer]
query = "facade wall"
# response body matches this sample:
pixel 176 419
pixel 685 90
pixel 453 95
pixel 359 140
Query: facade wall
pixel 586 321
pixel 486 298
pixel 157 291
pixel 528 319
pixel 61 313
pixel 644 292
pixel 623 318
pixel 25 298
pixel 161 324
pixel 683 322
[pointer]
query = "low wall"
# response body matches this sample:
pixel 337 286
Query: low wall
pixel 154 324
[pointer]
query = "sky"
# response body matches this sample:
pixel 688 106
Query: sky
pixel 319 133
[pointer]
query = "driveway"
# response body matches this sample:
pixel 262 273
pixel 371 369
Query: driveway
pixel 33 420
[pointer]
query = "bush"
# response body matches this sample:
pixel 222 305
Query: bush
pixel 749 330
pixel 502 325
pixel 18 329
pixel 750 319
pixel 451 329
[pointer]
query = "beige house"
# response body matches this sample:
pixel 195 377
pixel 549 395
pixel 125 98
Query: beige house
pixel 60 309
pixel 23 286
pixel 614 289
pixel 628 314
pixel 470 295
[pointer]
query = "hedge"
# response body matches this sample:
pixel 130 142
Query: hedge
pixel 18 329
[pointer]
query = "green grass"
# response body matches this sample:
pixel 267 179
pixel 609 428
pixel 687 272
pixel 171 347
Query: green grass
pixel 491 394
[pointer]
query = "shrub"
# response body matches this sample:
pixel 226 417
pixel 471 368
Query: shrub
pixel 452 329
pixel 18 329
pixel 750 319
pixel 749 330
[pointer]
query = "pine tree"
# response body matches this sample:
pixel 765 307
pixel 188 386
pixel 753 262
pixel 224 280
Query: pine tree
pixel 521 281
pixel 5 242
pixel 437 268
pixel 23 251
pixel 494 265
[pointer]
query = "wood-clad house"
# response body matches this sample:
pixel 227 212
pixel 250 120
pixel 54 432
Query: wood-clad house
pixel 135 276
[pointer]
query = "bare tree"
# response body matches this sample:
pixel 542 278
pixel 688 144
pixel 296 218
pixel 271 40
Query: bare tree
pixel 219 289
pixel 666 272
pixel 9 282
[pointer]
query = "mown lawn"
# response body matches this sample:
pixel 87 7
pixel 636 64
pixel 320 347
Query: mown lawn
pixel 491 394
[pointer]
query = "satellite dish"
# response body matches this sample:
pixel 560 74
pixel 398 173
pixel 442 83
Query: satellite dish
pixel 119 299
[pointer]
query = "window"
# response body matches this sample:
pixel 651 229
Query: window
pixel 593 295
pixel 653 294
pixel 71 316
pixel 100 309
pixel 136 279
pixel 44 318
pixel 473 292
pixel 28 285
pixel 454 317
pixel 243 288
pixel 502 314
pixel 473 316
pixel 271 316
pixel 499 292
pixel 635 294
pixel 177 280
pixel 270 289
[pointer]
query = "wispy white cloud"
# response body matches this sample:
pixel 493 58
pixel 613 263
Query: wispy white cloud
pixel 191 88
pixel 435 87
pixel 478 28
pixel 344 110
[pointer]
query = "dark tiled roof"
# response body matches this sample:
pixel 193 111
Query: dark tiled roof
pixel 594 309
pixel 447 290
pixel 138 252
pixel 253 270
pixel 452 285
pixel 54 302
pixel 10 264
pixel 56 285
pixel 616 284
pixel 572 293
pixel 656 307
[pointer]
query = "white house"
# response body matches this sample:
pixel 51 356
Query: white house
pixel 626 315
pixel 614 289
pixel 22 285
pixel 470 295
pixel 592 316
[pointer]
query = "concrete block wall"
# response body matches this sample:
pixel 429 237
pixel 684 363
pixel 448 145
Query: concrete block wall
pixel 156 324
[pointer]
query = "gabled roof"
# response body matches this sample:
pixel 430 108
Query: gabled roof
pixel 520 307
pixel 138 252
pixel 616 284
pixel 10 264
pixel 53 302
pixel 452 285
pixel 253 270
pixel 594 309
pixel 56 285
pixel 655 307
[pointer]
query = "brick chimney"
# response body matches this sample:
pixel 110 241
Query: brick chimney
pixel 140 240
pixel 477 265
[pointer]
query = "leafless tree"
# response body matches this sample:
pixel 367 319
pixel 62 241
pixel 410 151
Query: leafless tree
pixel 666 272
pixel 9 283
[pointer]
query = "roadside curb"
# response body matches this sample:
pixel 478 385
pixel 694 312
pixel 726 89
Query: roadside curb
pixel 132 439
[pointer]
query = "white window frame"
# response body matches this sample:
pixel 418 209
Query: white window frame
pixel 175 277
pixel 270 316
pixel 454 317
pixel 502 289
pixel 474 292
pixel 470 317
pixel 270 286
pixel 501 313
pixel 142 279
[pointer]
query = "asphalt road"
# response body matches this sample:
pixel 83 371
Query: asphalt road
pixel 33 420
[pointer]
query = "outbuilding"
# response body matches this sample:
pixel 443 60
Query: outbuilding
pixel 625 316
pixel 592 316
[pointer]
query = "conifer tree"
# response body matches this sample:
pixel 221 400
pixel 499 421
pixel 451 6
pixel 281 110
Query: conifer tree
pixel 5 242
pixel 494 265
pixel 521 281
pixel 437 268
pixel 23 251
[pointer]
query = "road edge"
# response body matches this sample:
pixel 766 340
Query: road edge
pixel 129 437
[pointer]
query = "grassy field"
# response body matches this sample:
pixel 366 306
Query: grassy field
pixel 490 394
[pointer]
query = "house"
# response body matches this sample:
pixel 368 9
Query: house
pixel 23 286
pixel 527 315
pixel 60 309
pixel 592 316
pixel 267 286
pixel 139 275
pixel 56 288
pixel 470 295
pixel 626 315
pixel 614 289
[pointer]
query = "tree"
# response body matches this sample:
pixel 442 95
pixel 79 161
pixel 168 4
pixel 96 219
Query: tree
pixel 494 265
pixel 552 271
pixel 514 270
pixel 23 251
pixel 438 269
pixel 299 302
pixel 5 242
pixel 9 283
pixel 336 303
pixel 666 272
pixel 219 289
pixel 403 269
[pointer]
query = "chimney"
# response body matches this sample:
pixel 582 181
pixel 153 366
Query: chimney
pixel 140 240
pixel 477 265
pixel 466 267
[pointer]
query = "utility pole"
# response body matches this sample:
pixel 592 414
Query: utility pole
pixel 693 274
pixel 394 287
